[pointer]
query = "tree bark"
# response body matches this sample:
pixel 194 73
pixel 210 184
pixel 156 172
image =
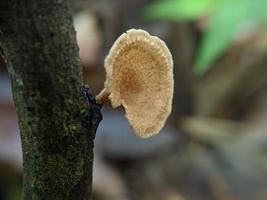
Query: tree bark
pixel 57 118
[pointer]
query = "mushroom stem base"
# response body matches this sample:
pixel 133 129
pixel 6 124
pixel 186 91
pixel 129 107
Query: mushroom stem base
pixel 102 97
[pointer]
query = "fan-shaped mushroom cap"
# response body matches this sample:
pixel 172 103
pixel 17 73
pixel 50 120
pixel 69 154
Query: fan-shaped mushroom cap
pixel 139 76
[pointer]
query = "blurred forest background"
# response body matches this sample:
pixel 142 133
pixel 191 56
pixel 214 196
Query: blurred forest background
pixel 214 146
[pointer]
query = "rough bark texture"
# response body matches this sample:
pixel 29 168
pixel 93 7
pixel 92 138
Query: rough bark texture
pixel 57 117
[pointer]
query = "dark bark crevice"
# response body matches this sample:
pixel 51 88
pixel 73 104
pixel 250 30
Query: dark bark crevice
pixel 57 123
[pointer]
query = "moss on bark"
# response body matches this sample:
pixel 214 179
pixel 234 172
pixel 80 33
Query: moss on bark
pixel 57 118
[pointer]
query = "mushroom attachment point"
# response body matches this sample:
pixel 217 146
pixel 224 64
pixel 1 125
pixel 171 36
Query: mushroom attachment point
pixel 139 76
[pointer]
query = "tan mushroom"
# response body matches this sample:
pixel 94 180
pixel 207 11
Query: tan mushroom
pixel 139 76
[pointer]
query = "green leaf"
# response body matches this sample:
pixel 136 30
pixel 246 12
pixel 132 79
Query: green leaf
pixel 258 10
pixel 217 38
pixel 178 9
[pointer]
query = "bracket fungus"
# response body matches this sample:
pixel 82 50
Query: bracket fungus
pixel 139 76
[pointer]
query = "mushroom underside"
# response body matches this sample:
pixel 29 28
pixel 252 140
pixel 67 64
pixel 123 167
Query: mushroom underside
pixel 144 102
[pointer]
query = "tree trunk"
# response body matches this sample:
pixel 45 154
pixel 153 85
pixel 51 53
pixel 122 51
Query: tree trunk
pixel 57 118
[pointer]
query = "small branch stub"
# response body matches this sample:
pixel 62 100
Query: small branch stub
pixel 139 76
pixel 103 97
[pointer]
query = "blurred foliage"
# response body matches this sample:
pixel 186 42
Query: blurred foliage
pixel 179 9
pixel 228 17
